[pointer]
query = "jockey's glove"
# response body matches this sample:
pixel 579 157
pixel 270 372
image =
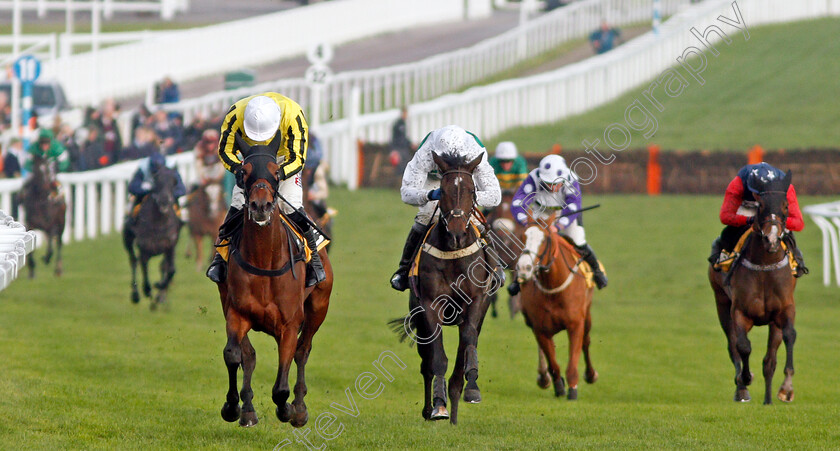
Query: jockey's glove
pixel 434 194
pixel 239 174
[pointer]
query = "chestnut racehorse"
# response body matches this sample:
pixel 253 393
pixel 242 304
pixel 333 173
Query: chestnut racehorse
pixel 205 217
pixel 760 292
pixel 505 231
pixel 265 291
pixel 554 297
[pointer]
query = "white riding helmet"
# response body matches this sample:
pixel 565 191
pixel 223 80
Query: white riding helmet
pixel 506 151
pixel 553 170
pixel 262 118
pixel 452 140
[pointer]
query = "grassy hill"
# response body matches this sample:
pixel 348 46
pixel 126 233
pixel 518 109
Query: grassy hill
pixel 83 368
pixel 779 89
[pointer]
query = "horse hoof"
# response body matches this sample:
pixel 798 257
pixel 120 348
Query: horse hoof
pixel 153 306
pixel 543 381
pixel 230 412
pixel 147 291
pixel 472 396
pixel 248 419
pixel 742 395
pixel 559 387
pixel 785 396
pixel 572 394
pixel 590 378
pixel 299 419
pixel 427 413
pixel 439 413
pixel 135 297
pixel 284 414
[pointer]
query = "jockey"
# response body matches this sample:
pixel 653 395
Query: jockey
pixel 421 188
pixel 51 149
pixel 739 209
pixel 553 186
pixel 143 180
pixel 511 169
pixel 257 119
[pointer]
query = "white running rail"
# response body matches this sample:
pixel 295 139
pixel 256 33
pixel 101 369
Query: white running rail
pixel 827 218
pixel 15 243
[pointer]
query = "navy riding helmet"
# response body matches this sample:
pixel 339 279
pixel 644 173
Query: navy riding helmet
pixel 762 174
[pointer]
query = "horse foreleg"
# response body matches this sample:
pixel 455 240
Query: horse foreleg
pixel 575 333
pixel 439 363
pixel 543 380
pixel 30 262
pixel 774 339
pixel 286 347
pixel 591 375
pixel 59 262
pixel 743 376
pixel 546 345
pixel 248 416
pixel 237 327
pixel 315 309
pixel 144 267
pixel 48 255
pixel 789 336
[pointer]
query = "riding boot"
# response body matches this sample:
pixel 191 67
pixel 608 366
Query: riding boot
pixel 315 273
pixel 399 281
pixel 217 272
pixel 790 241
pixel 713 258
pixel 589 257
pixel 513 288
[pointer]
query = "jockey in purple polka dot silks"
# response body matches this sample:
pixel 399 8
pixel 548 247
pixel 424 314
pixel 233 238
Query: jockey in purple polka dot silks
pixel 553 187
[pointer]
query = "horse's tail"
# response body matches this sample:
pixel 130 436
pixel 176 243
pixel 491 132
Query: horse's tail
pixel 399 326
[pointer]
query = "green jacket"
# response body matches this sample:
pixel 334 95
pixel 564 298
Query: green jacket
pixel 510 180
pixel 55 153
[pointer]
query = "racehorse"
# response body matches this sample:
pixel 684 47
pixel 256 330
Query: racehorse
pixel 265 291
pixel 205 218
pixel 154 232
pixel 454 279
pixel 504 237
pixel 760 292
pixel 555 296
pixel 44 210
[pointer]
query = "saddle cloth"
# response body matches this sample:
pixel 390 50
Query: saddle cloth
pixel 223 248
pixel 584 269
pixel 727 258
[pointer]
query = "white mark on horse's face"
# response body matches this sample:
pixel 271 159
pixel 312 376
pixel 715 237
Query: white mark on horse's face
pixel 533 240
pixel 458 180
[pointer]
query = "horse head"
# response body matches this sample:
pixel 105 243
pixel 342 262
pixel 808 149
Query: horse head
pixel 457 199
pixel 537 247
pixel 262 178
pixel 772 212
pixel 163 190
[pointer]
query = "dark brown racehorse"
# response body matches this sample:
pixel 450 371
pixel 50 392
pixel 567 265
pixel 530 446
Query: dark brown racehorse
pixel 504 239
pixel 453 287
pixel 205 218
pixel 760 292
pixel 154 232
pixel 265 291
pixel 555 297
pixel 45 210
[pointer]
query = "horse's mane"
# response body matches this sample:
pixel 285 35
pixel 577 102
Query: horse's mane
pixel 454 160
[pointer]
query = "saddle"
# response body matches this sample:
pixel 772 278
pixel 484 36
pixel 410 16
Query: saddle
pixel 136 210
pixel 583 267
pixel 727 258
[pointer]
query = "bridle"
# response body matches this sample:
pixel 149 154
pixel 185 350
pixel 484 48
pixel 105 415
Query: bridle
pixel 457 213
pixel 772 218
pixel 273 179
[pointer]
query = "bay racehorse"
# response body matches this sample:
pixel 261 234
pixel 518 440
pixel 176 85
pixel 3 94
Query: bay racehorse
pixel 758 292
pixel 45 210
pixel 451 290
pixel 555 296
pixel 265 291
pixel 154 231
pixel 206 210
pixel 504 237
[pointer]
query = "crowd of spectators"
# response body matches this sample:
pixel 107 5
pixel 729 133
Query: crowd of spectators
pixel 99 143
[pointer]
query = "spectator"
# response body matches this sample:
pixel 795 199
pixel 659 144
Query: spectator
pixel 143 146
pixel 604 38
pixel 168 92
pixel 12 157
pixel 165 131
pixel 142 118
pixel 401 147
pixel 110 132
pixel 92 155
pixel 194 132
pixel 5 111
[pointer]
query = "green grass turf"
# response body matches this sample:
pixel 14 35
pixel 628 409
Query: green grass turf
pixel 773 90
pixel 83 368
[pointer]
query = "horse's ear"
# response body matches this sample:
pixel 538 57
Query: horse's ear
pixel 474 163
pixel 441 164
pixel 244 148
pixel 788 178
pixel 274 145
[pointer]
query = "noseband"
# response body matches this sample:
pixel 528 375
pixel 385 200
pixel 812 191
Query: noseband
pixel 457 213
pixel 772 219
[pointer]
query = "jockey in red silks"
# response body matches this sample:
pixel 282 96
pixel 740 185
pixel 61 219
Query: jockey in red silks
pixel 739 209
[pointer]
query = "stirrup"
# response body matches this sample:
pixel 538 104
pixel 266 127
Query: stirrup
pixel 399 281
pixel 513 288
pixel 217 272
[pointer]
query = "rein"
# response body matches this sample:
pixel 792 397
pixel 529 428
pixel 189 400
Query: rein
pixel 573 270
pixel 459 213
